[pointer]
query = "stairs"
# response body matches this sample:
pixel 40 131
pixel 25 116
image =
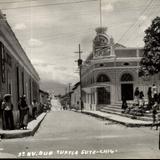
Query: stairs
pixel 116 109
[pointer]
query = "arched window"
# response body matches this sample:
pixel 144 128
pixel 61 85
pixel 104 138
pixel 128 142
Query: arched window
pixel 103 78
pixel 126 77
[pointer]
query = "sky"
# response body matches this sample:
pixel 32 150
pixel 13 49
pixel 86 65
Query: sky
pixel 51 30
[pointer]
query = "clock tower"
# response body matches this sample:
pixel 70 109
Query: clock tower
pixel 102 43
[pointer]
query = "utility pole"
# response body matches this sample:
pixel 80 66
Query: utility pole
pixel 66 90
pixel 159 137
pixel 100 10
pixel 80 76
pixel 69 85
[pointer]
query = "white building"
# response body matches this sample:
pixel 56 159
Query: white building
pixel 111 72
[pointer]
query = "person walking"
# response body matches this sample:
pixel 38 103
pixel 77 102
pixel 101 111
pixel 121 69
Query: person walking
pixel 24 112
pixel 7 114
pixel 136 94
pixel 141 99
pixel 34 109
pixel 154 114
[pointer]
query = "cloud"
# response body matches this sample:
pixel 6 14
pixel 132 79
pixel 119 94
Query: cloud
pixel 142 18
pixel 34 42
pixel 20 26
pixel 58 74
pixel 108 7
pixel 61 68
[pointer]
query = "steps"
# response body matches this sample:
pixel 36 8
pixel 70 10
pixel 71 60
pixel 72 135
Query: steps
pixel 116 109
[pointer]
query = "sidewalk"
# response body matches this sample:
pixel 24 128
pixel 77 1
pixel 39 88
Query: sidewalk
pixel 118 119
pixel 31 129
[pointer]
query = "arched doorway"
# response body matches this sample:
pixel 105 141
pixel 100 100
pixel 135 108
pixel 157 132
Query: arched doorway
pixel 127 86
pixel 103 93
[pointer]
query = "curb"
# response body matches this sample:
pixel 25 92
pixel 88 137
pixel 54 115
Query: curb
pixel 113 120
pixel 23 133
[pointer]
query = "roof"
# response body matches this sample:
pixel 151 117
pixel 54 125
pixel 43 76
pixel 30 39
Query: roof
pixel 43 91
pixel 118 45
pixel 76 85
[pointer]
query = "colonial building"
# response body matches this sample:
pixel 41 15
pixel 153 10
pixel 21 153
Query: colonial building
pixel 75 96
pixel 17 74
pixel 111 72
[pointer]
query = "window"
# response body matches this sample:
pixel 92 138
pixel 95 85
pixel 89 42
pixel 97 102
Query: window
pixel 126 77
pixel 2 62
pixel 101 65
pixel 22 82
pixel 8 60
pixel 103 78
pixel 126 64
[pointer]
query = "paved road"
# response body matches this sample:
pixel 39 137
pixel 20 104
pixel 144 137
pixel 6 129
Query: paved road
pixel 56 106
pixel 67 134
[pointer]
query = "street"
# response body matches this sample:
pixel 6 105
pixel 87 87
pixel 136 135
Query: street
pixel 67 134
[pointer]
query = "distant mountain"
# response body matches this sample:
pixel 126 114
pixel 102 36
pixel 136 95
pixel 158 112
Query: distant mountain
pixel 58 88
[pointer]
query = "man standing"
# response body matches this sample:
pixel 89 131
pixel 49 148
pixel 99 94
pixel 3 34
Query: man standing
pixel 154 92
pixel 7 114
pixel 24 112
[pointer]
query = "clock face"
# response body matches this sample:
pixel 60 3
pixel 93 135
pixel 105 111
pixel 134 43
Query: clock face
pixel 100 41
pixel 101 46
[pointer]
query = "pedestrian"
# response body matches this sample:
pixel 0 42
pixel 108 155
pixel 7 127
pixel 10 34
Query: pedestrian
pixel 34 109
pixel 136 94
pixel 158 101
pixel 7 114
pixel 157 120
pixel 154 114
pixel 82 105
pixel 124 104
pixel 1 100
pixel 154 92
pixel 141 99
pixel 24 112
pixel 149 94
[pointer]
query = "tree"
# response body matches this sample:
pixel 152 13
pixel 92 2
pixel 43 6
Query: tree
pixel 150 62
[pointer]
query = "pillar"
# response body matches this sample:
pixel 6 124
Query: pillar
pixel 95 94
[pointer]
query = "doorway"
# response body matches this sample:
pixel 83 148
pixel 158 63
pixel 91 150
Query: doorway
pixel 103 95
pixel 127 91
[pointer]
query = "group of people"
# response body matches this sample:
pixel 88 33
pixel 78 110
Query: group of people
pixel 139 106
pixel 7 112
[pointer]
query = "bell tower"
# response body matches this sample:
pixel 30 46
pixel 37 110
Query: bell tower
pixel 102 43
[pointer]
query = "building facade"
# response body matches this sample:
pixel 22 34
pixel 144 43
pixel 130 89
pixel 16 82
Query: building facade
pixel 110 73
pixel 75 96
pixel 17 74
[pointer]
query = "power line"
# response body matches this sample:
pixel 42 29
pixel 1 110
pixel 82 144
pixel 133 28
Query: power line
pixel 67 35
pixel 51 4
pixel 135 21
pixel 20 1
pixel 16 2
pixel 137 26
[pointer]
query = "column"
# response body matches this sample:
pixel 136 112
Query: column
pixel 95 94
